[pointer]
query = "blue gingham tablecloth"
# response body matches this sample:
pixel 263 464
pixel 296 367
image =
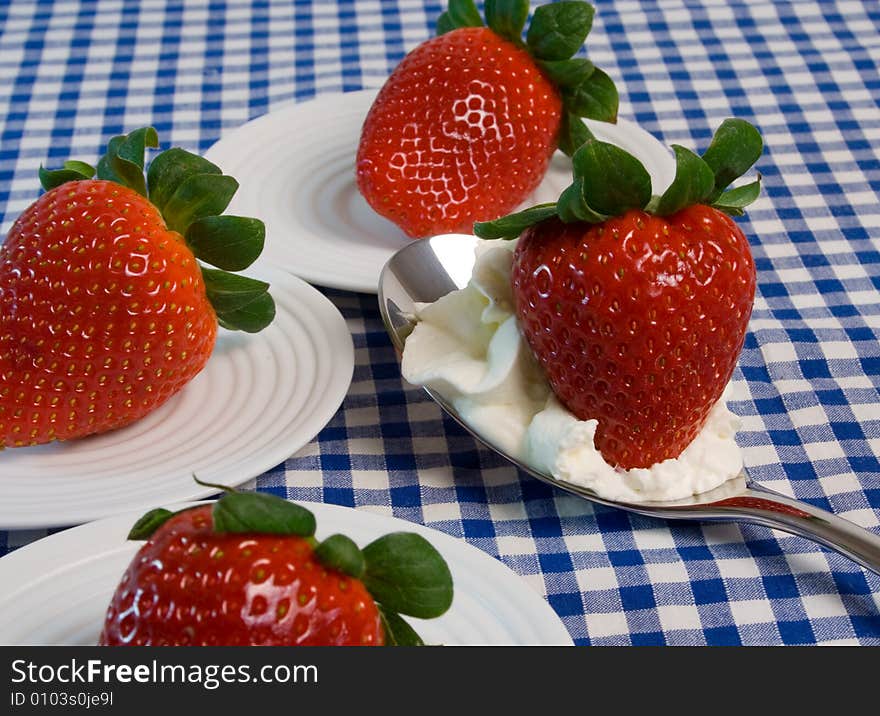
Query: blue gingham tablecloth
pixel 73 74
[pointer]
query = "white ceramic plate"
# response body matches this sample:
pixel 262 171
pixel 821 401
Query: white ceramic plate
pixel 296 169
pixel 260 398
pixel 56 590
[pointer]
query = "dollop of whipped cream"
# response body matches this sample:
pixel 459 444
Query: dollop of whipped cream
pixel 467 347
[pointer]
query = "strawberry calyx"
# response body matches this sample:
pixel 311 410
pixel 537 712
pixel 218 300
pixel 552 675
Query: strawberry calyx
pixel 609 181
pixel 191 194
pixel 557 31
pixel 402 571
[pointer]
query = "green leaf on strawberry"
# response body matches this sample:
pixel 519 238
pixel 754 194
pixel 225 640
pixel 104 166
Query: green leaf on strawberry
pixel 87 171
pixel 559 29
pixel 170 169
pixel 398 632
pixel 512 225
pixel 734 201
pixel 693 183
pixel 613 179
pixel 231 243
pixel 407 575
pixel 241 303
pixel 736 146
pixel 572 205
pixel 149 523
pixel 507 17
pixel 265 514
pixel 71 171
pixel 198 196
pixel 568 73
pixel 572 133
pixel 445 24
pixel 461 13
pixel 342 554
pixel 124 161
pixel 595 97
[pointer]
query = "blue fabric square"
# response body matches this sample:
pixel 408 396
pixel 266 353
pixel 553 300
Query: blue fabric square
pixel 722 636
pixel 649 638
pixel 406 496
pixel 335 462
pixel 866 625
pixel 566 605
pixel 708 591
pixel 796 632
pixel 780 586
pixel 338 495
pixel 848 431
pixel 555 562
pixel 478 528
pixel 637 597
pixel 625 557
pixel 695 552
pixel 612 520
pixel 400 462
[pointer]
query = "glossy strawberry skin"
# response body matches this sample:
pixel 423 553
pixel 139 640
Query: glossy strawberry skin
pixel 462 131
pixel 103 314
pixel 189 586
pixel 637 322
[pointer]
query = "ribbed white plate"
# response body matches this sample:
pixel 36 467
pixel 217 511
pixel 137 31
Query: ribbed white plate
pixel 259 399
pixel 56 590
pixel 296 169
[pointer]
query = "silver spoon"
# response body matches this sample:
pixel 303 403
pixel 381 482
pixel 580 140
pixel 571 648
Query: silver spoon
pixel 425 270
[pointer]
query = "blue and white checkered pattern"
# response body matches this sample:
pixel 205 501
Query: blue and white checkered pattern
pixel 73 74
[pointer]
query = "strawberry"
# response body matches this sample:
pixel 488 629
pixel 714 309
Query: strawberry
pixel 248 571
pixel 465 126
pixel 636 306
pixel 105 311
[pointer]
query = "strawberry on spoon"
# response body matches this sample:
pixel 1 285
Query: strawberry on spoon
pixel 636 306
pixel 248 570
pixel 465 126
pixel 105 310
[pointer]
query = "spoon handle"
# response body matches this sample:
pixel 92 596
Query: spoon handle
pixel 761 506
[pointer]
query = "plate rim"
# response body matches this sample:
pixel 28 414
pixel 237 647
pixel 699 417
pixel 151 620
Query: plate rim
pixel 261 461
pixel 291 109
pixel 31 559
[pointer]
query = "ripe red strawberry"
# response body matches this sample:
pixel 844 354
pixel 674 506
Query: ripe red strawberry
pixel 105 312
pixel 247 571
pixel 637 321
pixel 465 126
pixel 638 315
pixel 191 586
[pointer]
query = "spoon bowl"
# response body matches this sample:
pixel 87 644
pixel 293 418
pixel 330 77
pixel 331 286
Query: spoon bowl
pixel 426 270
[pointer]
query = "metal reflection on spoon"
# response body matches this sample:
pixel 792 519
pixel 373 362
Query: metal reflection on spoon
pixel 426 270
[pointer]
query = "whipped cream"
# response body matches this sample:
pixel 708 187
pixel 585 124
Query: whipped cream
pixel 468 348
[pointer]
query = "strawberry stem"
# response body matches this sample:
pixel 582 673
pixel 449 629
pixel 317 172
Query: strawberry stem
pixel 221 488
